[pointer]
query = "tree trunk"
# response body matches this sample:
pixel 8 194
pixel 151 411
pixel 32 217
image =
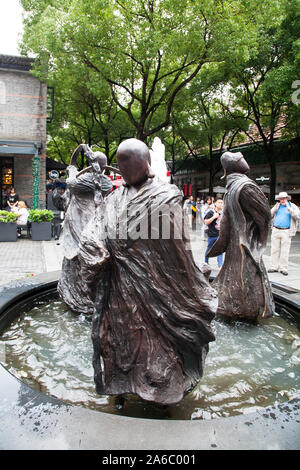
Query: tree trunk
pixel 269 152
pixel 211 169
pixel 173 168
pixel 273 181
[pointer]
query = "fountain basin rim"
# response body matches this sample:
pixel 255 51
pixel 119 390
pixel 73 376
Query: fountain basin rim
pixel 65 426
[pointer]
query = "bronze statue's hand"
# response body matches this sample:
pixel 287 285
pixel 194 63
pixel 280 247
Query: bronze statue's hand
pixel 72 170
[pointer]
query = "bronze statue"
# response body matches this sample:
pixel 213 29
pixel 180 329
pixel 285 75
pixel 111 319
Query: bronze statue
pixel 243 286
pixel 151 325
pixel 81 200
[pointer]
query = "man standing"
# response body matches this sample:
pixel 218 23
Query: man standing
pixel 285 215
pixel 212 220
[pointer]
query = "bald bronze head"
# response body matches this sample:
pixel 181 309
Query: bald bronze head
pixel 234 163
pixel 134 161
pixel 98 161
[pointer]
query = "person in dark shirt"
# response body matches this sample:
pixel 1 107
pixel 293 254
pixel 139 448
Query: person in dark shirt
pixel 212 221
pixel 12 199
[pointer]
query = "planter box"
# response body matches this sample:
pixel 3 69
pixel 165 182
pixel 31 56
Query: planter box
pixel 8 232
pixel 40 231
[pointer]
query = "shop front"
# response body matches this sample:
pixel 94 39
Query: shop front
pixel 6 179
pixel 23 167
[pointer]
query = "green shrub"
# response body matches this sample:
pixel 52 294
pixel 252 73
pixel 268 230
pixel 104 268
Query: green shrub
pixel 40 215
pixel 6 216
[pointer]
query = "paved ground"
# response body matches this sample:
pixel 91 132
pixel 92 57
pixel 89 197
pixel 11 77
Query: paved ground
pixel 25 257
pixel 293 278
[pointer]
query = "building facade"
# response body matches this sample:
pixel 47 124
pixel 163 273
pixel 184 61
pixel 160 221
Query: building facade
pixel 23 115
pixel 196 183
pixel 195 180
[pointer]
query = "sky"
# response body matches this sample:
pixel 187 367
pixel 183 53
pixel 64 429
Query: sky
pixel 10 26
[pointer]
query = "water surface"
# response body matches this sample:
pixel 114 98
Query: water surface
pixel 248 366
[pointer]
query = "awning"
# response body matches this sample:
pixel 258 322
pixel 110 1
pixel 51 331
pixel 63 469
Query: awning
pixel 265 188
pixel 54 165
pixel 219 189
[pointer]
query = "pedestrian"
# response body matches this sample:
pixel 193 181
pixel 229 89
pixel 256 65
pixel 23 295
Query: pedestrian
pixel 191 211
pixel 199 212
pixel 12 199
pixel 206 206
pixel 212 221
pixel 285 215
pixel 49 185
pixel 23 213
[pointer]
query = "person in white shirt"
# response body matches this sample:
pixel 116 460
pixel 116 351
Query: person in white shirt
pixel 22 212
pixel 285 216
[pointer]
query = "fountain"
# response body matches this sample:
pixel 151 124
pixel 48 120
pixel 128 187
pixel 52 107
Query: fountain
pixel 248 397
pixel 34 418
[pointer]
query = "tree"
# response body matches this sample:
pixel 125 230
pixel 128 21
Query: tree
pixel 200 125
pixel 84 112
pixel 146 51
pixel 261 84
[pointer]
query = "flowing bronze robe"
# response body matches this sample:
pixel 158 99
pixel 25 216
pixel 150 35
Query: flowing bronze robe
pixel 80 208
pixel 154 309
pixel 243 286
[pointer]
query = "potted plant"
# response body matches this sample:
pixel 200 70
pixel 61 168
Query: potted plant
pixel 40 224
pixel 8 226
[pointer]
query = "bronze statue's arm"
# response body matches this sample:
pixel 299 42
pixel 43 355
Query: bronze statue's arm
pixel 256 209
pixel 220 246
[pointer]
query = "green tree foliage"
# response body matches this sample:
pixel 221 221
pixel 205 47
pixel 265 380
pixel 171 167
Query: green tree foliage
pixel 261 85
pixel 195 72
pixel 200 124
pixel 85 112
pixel 147 52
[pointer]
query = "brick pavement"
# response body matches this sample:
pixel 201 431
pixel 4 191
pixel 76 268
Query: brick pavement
pixel 19 259
pixel 25 257
pixel 292 280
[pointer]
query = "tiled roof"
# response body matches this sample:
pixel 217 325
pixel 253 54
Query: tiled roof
pixel 16 62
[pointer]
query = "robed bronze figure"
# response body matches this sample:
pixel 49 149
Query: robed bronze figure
pixel 151 326
pixel 83 196
pixel 243 286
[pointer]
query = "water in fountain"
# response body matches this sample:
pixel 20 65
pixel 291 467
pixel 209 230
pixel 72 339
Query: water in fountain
pixel 248 366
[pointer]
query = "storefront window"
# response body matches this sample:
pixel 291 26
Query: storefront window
pixel 6 179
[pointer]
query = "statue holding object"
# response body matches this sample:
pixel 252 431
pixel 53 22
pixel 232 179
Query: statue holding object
pixel 83 197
